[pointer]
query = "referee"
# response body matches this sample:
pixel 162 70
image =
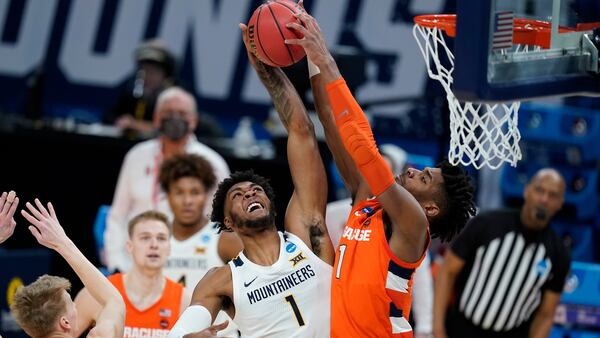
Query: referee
pixel 507 267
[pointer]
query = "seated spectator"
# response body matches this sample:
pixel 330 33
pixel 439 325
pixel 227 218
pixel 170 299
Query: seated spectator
pixel 155 71
pixel 137 188
pixel 153 302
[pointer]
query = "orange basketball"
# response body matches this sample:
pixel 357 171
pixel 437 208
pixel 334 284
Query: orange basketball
pixel 267 31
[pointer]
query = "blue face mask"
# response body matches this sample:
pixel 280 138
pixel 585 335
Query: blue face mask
pixel 174 128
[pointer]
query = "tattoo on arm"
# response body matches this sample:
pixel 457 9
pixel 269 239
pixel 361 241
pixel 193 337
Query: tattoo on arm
pixel 281 91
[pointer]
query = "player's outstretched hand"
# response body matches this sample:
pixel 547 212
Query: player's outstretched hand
pixel 8 205
pixel 209 332
pixel 45 226
pixel 313 41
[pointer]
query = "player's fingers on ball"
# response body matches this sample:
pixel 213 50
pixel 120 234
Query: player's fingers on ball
pixel 305 17
pixel 243 28
pixel 295 41
pixel 301 16
pixel 297 27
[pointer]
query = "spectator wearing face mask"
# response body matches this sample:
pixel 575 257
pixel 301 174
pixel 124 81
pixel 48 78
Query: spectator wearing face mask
pixel 138 188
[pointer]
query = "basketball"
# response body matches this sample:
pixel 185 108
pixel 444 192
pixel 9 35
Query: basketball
pixel 267 32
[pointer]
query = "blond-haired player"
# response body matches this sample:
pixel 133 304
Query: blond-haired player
pixel 44 308
pixel 153 302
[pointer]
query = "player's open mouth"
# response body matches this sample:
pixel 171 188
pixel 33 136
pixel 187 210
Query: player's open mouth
pixel 401 179
pixel 153 256
pixel 254 206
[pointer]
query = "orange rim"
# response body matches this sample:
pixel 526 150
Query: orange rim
pixel 446 22
pixel 525 31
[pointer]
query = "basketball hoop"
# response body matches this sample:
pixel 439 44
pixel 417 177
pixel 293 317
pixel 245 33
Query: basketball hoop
pixel 480 133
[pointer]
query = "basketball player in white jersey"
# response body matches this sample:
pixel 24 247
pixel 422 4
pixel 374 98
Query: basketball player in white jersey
pixel 279 285
pixel 196 245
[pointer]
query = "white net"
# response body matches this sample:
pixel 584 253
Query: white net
pixel 480 134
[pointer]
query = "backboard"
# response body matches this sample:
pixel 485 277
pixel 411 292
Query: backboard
pixel 490 67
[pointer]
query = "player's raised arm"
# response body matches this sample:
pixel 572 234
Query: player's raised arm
pixel 354 182
pixel 408 217
pixel 46 228
pixel 305 215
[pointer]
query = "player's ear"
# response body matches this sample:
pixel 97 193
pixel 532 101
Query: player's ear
pixel 64 323
pixel 129 246
pixel 431 209
pixel 227 222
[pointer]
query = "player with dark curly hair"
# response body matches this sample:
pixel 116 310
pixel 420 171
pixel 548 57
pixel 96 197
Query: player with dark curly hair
pixel 218 213
pixel 279 284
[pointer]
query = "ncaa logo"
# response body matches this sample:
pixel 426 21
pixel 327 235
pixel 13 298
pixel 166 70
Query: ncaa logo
pixel 290 247
pixel 542 267
pixel 366 210
pixel 571 283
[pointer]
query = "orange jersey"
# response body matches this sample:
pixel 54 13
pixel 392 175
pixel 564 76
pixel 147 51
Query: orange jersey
pixel 370 288
pixel 155 321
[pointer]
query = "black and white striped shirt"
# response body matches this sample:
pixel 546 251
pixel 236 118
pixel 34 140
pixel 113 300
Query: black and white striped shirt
pixel 507 268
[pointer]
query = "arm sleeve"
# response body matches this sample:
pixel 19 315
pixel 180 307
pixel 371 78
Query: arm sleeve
pixel 115 235
pixel 357 137
pixel 469 238
pixel 422 301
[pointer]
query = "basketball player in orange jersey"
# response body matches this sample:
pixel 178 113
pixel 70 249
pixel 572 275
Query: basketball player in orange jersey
pixel 279 284
pixel 386 235
pixel 44 308
pixel 153 302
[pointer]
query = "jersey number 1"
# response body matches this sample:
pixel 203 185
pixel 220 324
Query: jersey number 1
pixel 290 299
pixel 339 265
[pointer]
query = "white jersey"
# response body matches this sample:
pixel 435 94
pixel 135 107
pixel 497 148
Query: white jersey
pixel 287 299
pixel 189 261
